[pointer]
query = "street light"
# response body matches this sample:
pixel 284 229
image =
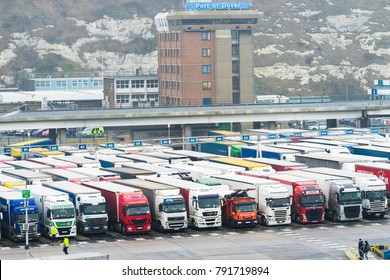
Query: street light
pixel 346 80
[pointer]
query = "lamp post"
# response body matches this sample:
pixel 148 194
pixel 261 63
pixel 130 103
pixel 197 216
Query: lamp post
pixel 345 68
pixel 26 195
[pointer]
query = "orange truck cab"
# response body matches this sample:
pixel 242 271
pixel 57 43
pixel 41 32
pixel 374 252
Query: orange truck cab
pixel 239 210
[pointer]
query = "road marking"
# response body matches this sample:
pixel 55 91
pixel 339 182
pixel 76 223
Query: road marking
pixel 159 238
pixel 376 224
pixel 269 231
pixel 83 242
pixel 194 235
pixel 176 236
pixel 292 234
pixel 306 238
pixel 139 239
pixel 337 246
pixel 214 234
pixel 340 226
pixel 5 248
pixel 102 241
pixel 232 233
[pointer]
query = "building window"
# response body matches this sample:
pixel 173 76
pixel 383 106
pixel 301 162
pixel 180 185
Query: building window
pixel 74 84
pixel 206 36
pixel 137 83
pixel 152 83
pixel 206 85
pixel 85 84
pixel 61 84
pixel 206 69
pixel 97 84
pixel 42 84
pixel 122 99
pixel 206 52
pixel 122 84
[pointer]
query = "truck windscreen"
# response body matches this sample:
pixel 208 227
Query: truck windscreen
pixel 279 202
pixel 63 213
pixel 208 202
pixel 89 209
pixel 136 210
pixel 312 200
pixel 173 207
pixel 246 207
pixel 375 195
pixel 350 197
pixel 21 218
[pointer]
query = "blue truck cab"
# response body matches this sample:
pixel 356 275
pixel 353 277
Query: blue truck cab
pixel 12 207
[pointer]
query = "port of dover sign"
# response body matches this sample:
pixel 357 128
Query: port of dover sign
pixel 207 6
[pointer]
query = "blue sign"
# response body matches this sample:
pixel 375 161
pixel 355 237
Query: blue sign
pixel 82 147
pixel 374 91
pixel 110 145
pixel 209 6
pixel 297 134
pixel 380 82
pixel 349 131
pixel 165 141
pixel 7 150
pixel 192 140
pixel 374 130
pixel 271 136
pixel 1 151
pixel 53 148
pixel 25 149
pixel 218 139
pixel 323 133
pixel 137 143
pixel 245 137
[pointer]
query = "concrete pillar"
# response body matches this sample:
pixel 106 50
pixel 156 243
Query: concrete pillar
pixel 363 123
pixel 330 123
pixel 272 125
pixel 187 132
pixel 245 126
pixel 53 135
pixel 62 136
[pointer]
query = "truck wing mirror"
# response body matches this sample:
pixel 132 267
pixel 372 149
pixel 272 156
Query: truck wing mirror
pixel 160 207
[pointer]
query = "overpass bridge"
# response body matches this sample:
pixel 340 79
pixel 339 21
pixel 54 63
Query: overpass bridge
pixel 187 116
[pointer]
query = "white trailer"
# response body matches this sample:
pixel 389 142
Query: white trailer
pixel 66 175
pixel 343 201
pixel 195 172
pixel 224 168
pixel 203 205
pixel 80 161
pixel 272 197
pixel 30 177
pixel 55 209
pixel 373 190
pixel 91 208
pixel 167 206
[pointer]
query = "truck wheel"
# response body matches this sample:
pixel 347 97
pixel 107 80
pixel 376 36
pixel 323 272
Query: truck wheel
pixel 159 227
pixel 263 221
pixel 335 217
pixel 12 236
pixel 297 219
pixel 123 229
pixel 193 225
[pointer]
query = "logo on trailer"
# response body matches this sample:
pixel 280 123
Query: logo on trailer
pixel 192 140
pixel 137 143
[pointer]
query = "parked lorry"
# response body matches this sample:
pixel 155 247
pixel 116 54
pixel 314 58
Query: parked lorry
pixel 55 209
pixel 202 202
pixel 279 165
pixel 166 204
pixel 128 208
pixel 308 201
pixel 224 168
pixel 373 190
pixel 336 161
pixel 272 198
pixel 225 148
pixel 343 200
pixel 248 165
pixel 382 170
pixel 128 173
pixel 107 161
pixel 28 176
pixel 268 152
pixel 374 151
pixel 90 205
pixel 195 172
pixel 239 209
pixel 66 175
pixel 13 211
pixel 96 174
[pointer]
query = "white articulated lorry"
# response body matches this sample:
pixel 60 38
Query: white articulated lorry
pixel 203 205
pixel 373 190
pixel 167 206
pixel 55 209
pixel 91 208
pixel 273 198
pixel 343 199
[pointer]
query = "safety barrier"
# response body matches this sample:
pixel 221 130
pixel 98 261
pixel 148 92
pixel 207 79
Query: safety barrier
pixel 381 251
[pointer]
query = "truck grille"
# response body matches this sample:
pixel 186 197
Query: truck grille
pixel 139 222
pixel 64 231
pixel 352 211
pixel 96 221
pixel 314 214
pixel 171 219
pixel 377 206
pixel 280 215
pixel 208 214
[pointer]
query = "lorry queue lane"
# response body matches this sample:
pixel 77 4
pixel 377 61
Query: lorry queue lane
pixel 291 230
pixel 325 242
